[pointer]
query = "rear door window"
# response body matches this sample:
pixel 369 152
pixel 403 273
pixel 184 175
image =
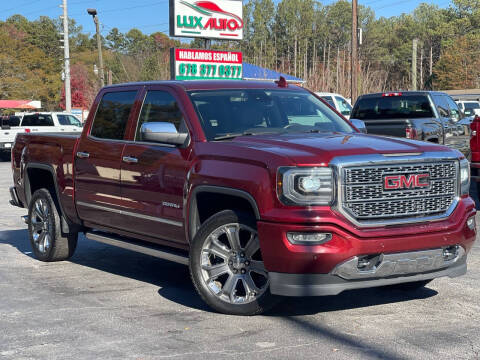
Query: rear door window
pixel 37 120
pixel 393 107
pixel 112 115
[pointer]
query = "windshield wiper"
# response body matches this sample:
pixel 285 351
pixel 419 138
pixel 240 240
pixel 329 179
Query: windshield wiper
pixel 232 136
pixel 245 133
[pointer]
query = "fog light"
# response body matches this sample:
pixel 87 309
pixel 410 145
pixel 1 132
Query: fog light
pixel 471 223
pixel 450 253
pixel 298 238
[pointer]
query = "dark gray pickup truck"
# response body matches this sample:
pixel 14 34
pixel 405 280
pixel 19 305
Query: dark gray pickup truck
pixel 421 115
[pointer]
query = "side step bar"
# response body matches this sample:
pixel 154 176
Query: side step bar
pixel 145 248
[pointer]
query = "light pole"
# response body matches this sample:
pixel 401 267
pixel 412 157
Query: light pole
pixel 93 12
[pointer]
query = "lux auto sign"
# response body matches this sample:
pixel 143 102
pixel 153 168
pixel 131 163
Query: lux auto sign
pixel 212 19
pixel 194 64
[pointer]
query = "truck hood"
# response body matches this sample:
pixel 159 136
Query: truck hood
pixel 322 148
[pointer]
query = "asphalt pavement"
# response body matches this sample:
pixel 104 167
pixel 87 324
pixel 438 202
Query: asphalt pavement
pixel 109 303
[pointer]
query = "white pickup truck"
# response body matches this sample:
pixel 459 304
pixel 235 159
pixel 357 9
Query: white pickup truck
pixel 38 122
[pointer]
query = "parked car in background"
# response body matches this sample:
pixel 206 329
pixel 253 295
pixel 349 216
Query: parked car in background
pixel 262 189
pixel 35 122
pixel 469 108
pixel 51 122
pixel 338 102
pixel 419 115
pixel 9 129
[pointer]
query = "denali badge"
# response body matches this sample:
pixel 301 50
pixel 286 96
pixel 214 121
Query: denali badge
pixel 396 182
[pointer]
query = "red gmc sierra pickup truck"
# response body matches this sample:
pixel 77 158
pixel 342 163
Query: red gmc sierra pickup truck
pixel 262 189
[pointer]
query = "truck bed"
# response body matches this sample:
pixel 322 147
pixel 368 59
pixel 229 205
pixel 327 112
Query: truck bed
pixel 52 152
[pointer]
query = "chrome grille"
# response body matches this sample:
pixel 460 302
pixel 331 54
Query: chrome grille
pixel 364 198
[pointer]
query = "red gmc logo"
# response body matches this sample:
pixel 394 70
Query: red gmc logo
pixel 396 182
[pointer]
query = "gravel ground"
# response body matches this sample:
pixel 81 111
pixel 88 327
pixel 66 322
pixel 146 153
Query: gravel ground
pixel 108 303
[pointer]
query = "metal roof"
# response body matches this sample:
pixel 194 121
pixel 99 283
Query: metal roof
pixel 254 72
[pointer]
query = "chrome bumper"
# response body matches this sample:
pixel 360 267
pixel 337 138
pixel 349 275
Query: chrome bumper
pixel 398 264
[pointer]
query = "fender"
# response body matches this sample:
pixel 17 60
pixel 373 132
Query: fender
pixel 67 224
pixel 192 214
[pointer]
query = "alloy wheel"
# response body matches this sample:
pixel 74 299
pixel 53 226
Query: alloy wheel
pixel 41 229
pixel 232 266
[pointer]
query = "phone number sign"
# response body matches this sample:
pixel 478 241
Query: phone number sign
pixel 194 64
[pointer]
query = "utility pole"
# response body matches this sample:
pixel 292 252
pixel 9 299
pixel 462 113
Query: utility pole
pixel 93 12
pixel 414 64
pixel 66 56
pixel 354 60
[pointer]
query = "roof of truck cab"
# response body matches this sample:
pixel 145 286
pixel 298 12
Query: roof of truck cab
pixel 210 84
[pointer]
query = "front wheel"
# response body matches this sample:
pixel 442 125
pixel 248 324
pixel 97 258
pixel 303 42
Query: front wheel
pixel 226 265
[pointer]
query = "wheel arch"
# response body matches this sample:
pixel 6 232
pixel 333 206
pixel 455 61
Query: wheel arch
pixel 51 184
pixel 198 211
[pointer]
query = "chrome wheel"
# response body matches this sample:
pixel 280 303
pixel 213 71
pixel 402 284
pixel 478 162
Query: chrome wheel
pixel 41 229
pixel 232 266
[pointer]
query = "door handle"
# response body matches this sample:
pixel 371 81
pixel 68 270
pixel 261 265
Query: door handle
pixel 130 160
pixel 82 155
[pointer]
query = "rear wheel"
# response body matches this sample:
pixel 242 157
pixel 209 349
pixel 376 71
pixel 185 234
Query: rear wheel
pixel 44 229
pixel 226 265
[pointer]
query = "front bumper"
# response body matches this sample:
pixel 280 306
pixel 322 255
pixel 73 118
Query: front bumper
pixel 328 284
pixel 314 270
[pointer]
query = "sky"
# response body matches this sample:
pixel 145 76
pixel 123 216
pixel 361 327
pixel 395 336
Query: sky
pixel 152 15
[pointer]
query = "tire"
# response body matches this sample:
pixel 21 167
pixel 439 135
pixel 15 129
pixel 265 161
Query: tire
pixel 411 286
pixel 44 229
pixel 226 266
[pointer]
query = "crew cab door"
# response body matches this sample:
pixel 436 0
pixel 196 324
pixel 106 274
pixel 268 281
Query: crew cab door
pixel 98 159
pixel 154 174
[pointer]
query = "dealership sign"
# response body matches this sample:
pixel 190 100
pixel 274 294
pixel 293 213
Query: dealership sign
pixel 194 64
pixel 212 19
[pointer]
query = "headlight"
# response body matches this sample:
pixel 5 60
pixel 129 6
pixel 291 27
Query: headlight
pixel 305 186
pixel 464 177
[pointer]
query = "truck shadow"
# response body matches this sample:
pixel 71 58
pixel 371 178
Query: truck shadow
pixel 175 284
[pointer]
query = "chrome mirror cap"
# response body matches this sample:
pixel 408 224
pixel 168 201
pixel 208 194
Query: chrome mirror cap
pixel 162 132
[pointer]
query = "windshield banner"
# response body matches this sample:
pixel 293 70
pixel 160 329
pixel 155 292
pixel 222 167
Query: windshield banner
pixel 212 19
pixel 195 64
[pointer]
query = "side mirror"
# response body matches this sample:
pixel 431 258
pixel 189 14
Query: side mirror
pixel 162 132
pixel 359 124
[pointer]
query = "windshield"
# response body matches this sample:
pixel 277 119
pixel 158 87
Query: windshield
pixel 392 107
pixel 230 113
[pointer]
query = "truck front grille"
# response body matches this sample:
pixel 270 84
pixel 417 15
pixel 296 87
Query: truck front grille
pixel 389 192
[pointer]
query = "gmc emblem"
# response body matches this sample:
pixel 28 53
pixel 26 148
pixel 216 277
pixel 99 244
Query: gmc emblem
pixel 397 182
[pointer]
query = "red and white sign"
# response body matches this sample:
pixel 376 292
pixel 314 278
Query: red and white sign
pixel 209 19
pixel 195 64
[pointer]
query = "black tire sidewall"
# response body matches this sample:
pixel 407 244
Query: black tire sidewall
pixel 264 302
pixel 61 247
